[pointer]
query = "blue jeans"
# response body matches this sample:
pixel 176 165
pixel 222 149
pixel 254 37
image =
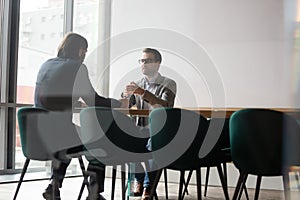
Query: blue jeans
pixel 147 177
pixel 142 177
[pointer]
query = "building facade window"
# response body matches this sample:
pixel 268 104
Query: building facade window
pixel 43 19
pixel 38 29
pixel 38 44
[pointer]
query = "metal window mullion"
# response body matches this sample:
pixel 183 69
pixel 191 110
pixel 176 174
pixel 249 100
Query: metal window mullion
pixel 4 59
pixel 104 34
pixel 12 68
pixel 5 48
pixel 68 16
pixel 1 42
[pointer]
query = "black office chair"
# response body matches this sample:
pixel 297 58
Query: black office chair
pixel 34 145
pixel 112 138
pixel 177 136
pixel 256 137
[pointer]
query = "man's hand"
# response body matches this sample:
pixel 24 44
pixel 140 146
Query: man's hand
pixel 124 103
pixel 133 88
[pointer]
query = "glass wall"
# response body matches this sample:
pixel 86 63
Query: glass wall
pixel 40 31
pixel 30 32
pixel 2 136
pixel 86 15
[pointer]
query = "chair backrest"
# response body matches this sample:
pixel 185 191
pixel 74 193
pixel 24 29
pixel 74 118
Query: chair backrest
pixel 224 137
pixel 33 145
pixel 113 133
pixel 256 137
pixel 291 141
pixel 177 136
pixel 44 133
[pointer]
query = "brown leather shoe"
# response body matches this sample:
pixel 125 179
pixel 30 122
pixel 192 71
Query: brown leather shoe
pixel 146 194
pixel 138 188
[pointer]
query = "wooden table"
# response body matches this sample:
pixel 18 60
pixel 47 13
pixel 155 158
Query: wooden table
pixel 209 112
pixel 204 111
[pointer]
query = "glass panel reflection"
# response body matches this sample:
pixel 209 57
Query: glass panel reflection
pixel 41 29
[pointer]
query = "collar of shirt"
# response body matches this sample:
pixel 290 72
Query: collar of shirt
pixel 150 83
pixel 152 80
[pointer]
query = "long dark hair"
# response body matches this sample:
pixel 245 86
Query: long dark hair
pixel 70 45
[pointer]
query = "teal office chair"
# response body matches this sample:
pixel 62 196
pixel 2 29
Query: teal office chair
pixel 34 144
pixel 177 136
pixel 225 145
pixel 256 137
pixel 112 138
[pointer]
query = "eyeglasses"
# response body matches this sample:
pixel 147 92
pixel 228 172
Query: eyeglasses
pixel 146 61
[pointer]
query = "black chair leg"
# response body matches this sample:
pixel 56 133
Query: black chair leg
pixel 123 184
pixel 81 163
pixel 225 173
pixel 244 188
pixel 180 194
pixel 186 184
pixel 258 182
pixel 166 182
pixel 113 182
pixel 224 184
pixel 198 178
pixel 286 186
pixel 155 183
pixel 297 180
pixel 206 180
pixel 84 183
pixel 82 167
pixel 246 192
pixel 238 186
pixel 21 177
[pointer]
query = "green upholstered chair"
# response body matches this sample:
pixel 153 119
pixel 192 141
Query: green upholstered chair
pixel 225 145
pixel 112 138
pixel 256 139
pixel 31 122
pixel 177 136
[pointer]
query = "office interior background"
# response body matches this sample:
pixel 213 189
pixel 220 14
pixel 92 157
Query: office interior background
pixel 221 53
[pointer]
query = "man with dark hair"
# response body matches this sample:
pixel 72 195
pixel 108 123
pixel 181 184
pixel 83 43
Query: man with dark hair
pixel 153 90
pixel 61 82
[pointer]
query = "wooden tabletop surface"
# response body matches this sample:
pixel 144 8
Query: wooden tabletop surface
pixel 208 112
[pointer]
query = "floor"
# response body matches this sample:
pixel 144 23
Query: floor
pixel 32 190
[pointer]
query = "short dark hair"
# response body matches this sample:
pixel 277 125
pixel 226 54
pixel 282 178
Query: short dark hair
pixel 157 55
pixel 70 45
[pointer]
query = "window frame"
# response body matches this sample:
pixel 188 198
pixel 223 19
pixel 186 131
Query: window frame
pixel 9 38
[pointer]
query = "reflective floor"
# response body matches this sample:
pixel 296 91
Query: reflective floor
pixel 32 190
